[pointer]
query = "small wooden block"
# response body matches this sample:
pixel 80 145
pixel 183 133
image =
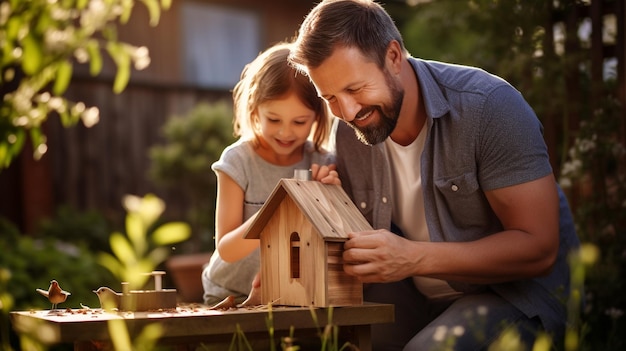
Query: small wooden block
pixel 146 300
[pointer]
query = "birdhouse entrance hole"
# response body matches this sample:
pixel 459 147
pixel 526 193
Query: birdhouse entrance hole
pixel 294 241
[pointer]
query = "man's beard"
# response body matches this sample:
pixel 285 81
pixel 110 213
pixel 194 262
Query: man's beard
pixel 376 132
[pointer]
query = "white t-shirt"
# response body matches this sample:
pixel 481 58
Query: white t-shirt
pixel 408 204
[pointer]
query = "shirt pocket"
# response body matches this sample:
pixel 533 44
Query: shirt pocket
pixel 462 196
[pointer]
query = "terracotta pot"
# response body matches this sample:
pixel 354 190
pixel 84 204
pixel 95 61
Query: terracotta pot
pixel 186 271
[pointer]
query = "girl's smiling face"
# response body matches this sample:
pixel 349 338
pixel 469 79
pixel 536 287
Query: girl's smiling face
pixel 285 126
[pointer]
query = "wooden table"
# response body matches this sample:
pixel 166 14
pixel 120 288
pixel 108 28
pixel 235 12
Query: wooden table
pixel 191 325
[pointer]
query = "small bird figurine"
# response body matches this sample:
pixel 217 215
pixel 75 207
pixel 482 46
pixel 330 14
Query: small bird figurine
pixel 108 297
pixel 55 294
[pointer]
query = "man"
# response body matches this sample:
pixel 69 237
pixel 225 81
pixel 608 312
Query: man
pixel 449 164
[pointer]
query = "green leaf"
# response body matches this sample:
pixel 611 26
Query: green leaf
pixel 13 27
pixel 147 339
pixel 6 58
pixel 36 137
pixel 80 4
pixel 123 61
pixel 95 58
pixel 154 10
pixel 63 77
pixel 32 55
pixel 170 233
pixel 67 119
pixel 109 34
pixel 6 303
pixel 127 8
pixel 136 231
pixel 5 157
pixel 109 262
pixel 158 255
pixel 122 249
pixel 20 139
pixel 122 77
pixel 137 274
pixel 44 22
pixel 150 209
pixel 119 331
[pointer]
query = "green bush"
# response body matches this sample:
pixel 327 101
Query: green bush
pixel 509 38
pixel 88 228
pixel 595 175
pixel 32 262
pixel 183 163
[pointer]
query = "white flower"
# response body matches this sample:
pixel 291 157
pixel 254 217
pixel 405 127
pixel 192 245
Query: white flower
pixel 458 330
pixel 81 55
pixel 141 57
pixel 440 333
pixel 90 117
pixel 57 103
pixel 5 12
pixel 565 182
pixel 78 108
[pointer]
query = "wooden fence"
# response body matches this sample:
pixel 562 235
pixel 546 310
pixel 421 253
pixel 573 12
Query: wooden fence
pixel 92 168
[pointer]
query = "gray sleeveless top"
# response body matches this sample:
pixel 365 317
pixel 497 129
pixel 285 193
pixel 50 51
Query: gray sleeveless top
pixel 257 178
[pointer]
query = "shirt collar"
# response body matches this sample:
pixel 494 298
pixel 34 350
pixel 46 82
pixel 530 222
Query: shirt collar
pixel 435 103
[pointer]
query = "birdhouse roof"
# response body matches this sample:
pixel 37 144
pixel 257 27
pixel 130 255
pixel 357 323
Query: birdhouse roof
pixel 327 207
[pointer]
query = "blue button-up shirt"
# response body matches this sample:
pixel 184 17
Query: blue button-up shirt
pixel 482 135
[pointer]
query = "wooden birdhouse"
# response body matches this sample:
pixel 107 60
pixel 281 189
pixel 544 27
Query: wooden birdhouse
pixel 302 228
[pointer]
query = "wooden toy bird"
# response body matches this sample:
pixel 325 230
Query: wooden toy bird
pixel 55 294
pixel 108 297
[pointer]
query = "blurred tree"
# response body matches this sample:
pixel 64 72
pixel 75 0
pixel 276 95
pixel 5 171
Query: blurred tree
pixel 546 50
pixel 507 38
pixel 39 41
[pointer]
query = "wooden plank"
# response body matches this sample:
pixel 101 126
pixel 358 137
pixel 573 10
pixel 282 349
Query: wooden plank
pixel 295 292
pixel 190 323
pixel 343 289
pixel 328 207
pixel 317 265
pixel 146 300
pixel 270 274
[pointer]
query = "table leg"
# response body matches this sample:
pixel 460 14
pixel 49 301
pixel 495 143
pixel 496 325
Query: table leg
pixel 363 337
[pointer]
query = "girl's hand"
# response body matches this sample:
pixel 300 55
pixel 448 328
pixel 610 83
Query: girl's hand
pixel 326 174
pixel 254 298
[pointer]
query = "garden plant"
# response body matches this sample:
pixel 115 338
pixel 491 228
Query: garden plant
pixel 42 40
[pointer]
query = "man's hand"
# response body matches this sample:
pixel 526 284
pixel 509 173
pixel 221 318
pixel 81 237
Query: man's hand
pixel 379 256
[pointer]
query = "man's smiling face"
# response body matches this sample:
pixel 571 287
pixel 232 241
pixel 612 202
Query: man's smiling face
pixel 359 92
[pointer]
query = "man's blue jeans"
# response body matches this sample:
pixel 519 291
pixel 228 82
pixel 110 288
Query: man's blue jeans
pixel 471 322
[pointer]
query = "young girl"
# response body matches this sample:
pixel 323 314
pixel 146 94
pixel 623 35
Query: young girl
pixel 276 114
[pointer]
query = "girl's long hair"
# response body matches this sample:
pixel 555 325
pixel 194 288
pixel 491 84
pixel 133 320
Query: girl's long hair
pixel 269 77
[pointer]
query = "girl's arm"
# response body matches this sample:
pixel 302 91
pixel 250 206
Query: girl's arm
pixel 229 224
